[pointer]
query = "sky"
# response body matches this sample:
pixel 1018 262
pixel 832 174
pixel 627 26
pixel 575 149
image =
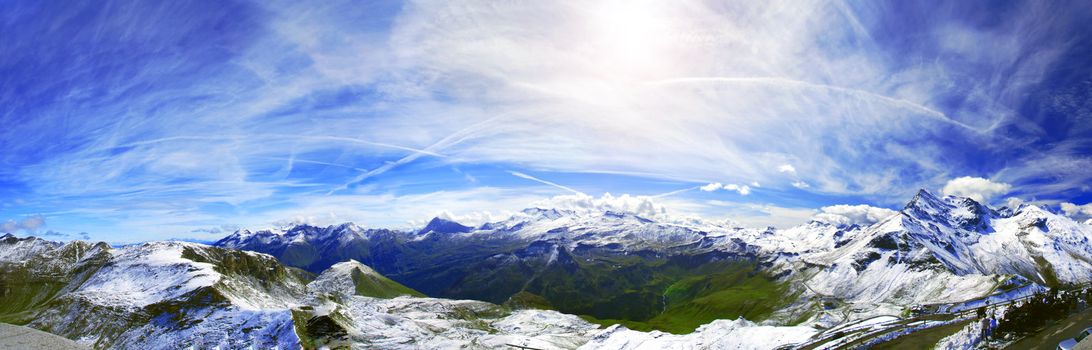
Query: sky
pixel 128 121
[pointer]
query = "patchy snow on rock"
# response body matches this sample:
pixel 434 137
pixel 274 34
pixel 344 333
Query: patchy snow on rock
pixel 429 323
pixel 17 250
pixel 720 334
pixel 229 328
pixel 338 280
pixel 147 274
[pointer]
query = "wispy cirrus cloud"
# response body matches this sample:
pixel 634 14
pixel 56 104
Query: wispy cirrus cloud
pixel 188 115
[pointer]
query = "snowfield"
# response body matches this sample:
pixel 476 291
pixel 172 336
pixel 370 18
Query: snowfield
pixel 147 274
pixel 460 324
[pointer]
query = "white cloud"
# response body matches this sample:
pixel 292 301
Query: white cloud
pixel 225 228
pixel 761 215
pixel 29 224
pixel 977 188
pixel 639 205
pixel 752 87
pixel 711 187
pixel 845 215
pixel 1077 211
pixel 743 190
pixel 1013 202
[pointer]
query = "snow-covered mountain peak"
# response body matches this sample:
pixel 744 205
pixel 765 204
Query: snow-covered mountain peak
pixel 148 273
pixel 15 249
pixel 298 234
pixel 950 211
pixel 966 237
pixel 925 201
pixel 338 280
pixel 346 267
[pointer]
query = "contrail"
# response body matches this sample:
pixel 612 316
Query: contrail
pixel 366 142
pixel 532 178
pixel 264 136
pixel 293 159
pixel 451 140
pixel 661 195
pixel 804 84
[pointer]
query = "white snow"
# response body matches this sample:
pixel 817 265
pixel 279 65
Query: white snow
pixel 337 279
pixel 946 250
pixel 219 329
pixel 428 323
pixel 146 274
pixel 720 334
pixel 16 250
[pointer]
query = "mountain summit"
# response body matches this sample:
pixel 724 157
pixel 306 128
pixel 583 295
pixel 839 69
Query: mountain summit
pixel 440 225
pixel 660 272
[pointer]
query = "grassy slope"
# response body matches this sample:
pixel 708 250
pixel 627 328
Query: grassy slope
pixel 24 294
pixel 640 289
pixel 741 292
pixel 377 286
pixel 528 300
pixel 25 289
pixel 673 295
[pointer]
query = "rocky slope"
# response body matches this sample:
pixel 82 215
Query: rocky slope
pixel 714 284
pixel 942 250
pixel 174 295
pixel 153 295
pixel 677 274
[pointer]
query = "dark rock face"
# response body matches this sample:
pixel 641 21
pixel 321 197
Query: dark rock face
pixel 438 225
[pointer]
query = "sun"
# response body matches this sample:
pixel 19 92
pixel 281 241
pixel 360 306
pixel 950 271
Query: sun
pixel 630 37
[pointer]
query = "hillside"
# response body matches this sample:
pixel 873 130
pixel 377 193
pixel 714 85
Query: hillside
pixel 675 275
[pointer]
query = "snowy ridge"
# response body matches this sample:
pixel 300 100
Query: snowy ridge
pixel 720 334
pixel 296 234
pixel 338 280
pixel 970 238
pixel 428 323
pixel 17 250
pixel 940 250
pixel 169 294
pixel 147 274
pixel 934 250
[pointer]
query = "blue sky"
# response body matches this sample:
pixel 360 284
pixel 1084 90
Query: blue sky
pixel 133 121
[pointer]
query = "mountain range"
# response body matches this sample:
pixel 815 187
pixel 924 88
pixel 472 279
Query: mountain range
pixel 675 275
pixel 544 278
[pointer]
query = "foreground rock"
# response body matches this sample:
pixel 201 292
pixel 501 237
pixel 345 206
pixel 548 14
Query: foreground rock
pixel 26 338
